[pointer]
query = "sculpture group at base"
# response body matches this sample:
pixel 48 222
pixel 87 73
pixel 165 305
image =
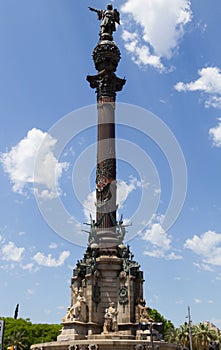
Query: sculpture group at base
pixel 93 237
pixel 77 312
pixel 110 319
pixel 142 312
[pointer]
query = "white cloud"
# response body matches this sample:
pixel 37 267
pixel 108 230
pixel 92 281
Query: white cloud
pixel 157 191
pixel 48 261
pixel 213 101
pixel 157 236
pixel 53 245
pixel 30 291
pixel 215 134
pixel 19 164
pixel 28 266
pixel 197 301
pixel 159 241
pixel 21 233
pixel 12 253
pixel 141 54
pixel 123 191
pixel 173 256
pixel 218 277
pixel 159 28
pixel 209 82
pixel 207 246
pixel 204 267
pixel 202 26
pixel 89 206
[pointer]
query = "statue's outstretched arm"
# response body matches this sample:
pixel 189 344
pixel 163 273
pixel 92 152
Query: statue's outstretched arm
pixel 99 12
pixel 93 9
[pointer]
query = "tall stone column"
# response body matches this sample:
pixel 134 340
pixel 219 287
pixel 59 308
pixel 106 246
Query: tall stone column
pixel 107 276
pixel 106 56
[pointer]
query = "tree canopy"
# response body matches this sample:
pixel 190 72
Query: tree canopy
pixel 157 317
pixel 22 333
pixel 204 337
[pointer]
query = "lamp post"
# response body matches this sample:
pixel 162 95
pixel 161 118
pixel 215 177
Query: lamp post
pixel 151 335
pixel 190 328
pixel 2 324
pixel 151 326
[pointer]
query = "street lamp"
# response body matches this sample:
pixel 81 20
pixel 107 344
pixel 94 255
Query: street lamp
pixel 190 328
pixel 151 326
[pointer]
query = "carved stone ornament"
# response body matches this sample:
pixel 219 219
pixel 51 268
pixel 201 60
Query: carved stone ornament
pixel 93 347
pixel 123 295
pixel 123 276
pixel 81 347
pixel 102 181
pixel 106 83
pixel 106 170
pixel 97 274
pixel 139 347
pixel 106 54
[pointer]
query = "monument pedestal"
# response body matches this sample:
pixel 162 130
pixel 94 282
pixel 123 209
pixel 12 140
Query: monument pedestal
pixel 116 343
pixel 75 330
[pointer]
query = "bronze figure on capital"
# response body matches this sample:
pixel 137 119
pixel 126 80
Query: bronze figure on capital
pixel 109 18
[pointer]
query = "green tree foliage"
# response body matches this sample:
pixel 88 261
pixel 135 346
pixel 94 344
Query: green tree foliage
pixel 157 317
pixel 202 335
pixel 22 333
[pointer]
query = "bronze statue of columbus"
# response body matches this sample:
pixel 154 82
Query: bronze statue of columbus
pixel 109 18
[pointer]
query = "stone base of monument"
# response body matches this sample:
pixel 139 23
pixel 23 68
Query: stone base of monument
pixel 110 335
pixel 80 336
pixel 76 335
pixel 75 330
pixel 115 342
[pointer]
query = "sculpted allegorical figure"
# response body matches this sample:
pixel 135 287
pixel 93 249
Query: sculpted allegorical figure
pixel 76 311
pixel 67 316
pixel 112 311
pixel 109 18
pixel 142 312
pixel 107 322
pixel 77 307
pixel 121 229
pixel 93 231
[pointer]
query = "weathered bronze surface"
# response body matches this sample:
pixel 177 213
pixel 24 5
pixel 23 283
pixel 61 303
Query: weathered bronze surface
pixel 109 18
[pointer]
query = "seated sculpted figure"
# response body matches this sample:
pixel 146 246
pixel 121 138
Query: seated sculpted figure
pixel 76 308
pixel 142 312
pixel 74 312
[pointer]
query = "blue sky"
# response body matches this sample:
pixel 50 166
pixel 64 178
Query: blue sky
pixel 171 60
